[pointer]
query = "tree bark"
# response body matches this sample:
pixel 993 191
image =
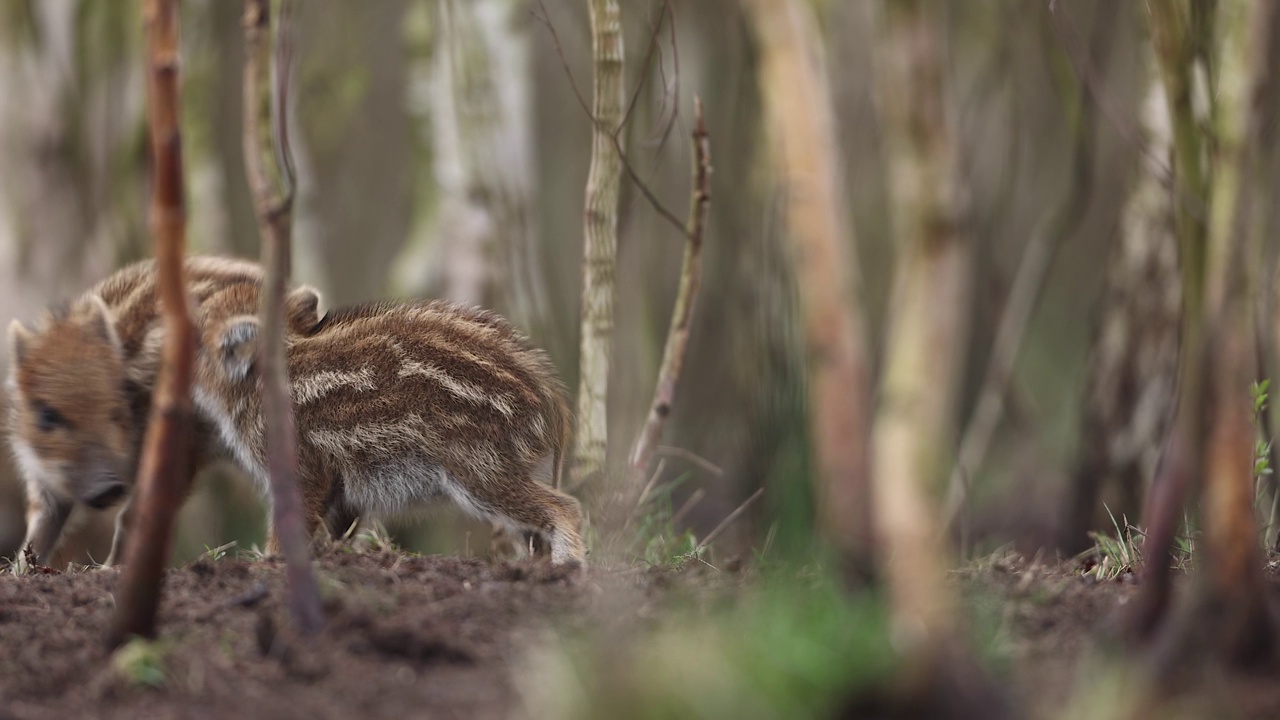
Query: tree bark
pixel 600 244
pixel 682 315
pixel 1243 188
pixel 1180 41
pixel 1213 427
pixel 481 248
pixel 914 424
pixel 802 139
pixel 166 450
pixel 1130 392
pixel 273 200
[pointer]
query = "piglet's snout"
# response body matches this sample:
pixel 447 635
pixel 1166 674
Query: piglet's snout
pixel 105 491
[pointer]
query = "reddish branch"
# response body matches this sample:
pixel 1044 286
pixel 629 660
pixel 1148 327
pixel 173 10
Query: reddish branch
pixel 273 202
pixel 166 452
pixel 682 316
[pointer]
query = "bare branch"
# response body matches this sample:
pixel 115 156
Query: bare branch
pixel 686 300
pixel 715 533
pixel 273 205
pixel 692 457
pixel 610 133
pixel 165 466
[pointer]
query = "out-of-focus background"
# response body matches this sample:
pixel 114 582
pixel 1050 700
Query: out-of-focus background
pixel 442 151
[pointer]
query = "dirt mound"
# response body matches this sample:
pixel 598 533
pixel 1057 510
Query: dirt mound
pixel 408 635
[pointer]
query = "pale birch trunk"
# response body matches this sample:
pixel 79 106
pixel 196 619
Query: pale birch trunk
pixel 926 333
pixel 600 243
pixel 802 143
pixel 481 247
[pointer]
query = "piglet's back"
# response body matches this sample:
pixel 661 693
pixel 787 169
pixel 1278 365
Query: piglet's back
pixel 371 381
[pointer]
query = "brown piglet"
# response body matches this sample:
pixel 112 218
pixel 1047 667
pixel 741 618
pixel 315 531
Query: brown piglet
pixel 400 404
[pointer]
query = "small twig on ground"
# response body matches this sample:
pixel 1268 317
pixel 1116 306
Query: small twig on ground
pixel 273 203
pixel 691 456
pixel 686 299
pixel 644 495
pixel 653 480
pixel 688 505
pixel 164 467
pixel 711 536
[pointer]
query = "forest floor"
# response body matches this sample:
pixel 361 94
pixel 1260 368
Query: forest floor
pixel 439 636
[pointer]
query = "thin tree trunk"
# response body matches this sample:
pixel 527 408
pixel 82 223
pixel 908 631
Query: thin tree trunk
pixel 600 244
pixel 1130 392
pixel 357 179
pixel 1239 227
pixel 802 139
pixel 914 425
pixel 1179 38
pixel 166 451
pixel 273 199
pixel 482 246
pixel 682 315
pixel 1058 225
pixel 1214 424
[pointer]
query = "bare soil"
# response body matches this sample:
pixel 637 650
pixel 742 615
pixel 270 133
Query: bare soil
pixel 438 636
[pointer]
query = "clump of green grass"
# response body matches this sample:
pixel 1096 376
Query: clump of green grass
pixel 657 541
pixel 217 553
pixel 140 662
pixel 1115 555
pixel 797 646
pixel 1120 554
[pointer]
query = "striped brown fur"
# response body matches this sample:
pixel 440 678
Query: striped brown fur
pixel 398 404
pixel 80 384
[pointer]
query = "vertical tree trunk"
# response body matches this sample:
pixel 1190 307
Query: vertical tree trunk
pixel 71 193
pixel 482 247
pixel 925 337
pixel 1213 432
pixel 802 139
pixel 682 314
pixel 166 450
pixel 356 179
pixel 1130 392
pixel 273 198
pixel 1180 39
pixel 600 242
pixel 1243 188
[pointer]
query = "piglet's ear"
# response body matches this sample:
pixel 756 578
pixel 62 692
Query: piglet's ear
pixel 302 310
pixel 19 342
pixel 238 346
pixel 98 317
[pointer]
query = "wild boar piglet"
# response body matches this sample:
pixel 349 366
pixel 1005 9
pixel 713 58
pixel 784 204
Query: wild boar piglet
pixel 79 388
pixel 400 404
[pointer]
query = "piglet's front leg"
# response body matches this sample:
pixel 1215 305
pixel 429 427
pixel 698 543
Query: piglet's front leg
pixel 46 517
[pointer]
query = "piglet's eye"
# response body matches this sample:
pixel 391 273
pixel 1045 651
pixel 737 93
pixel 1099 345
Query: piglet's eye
pixel 48 419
